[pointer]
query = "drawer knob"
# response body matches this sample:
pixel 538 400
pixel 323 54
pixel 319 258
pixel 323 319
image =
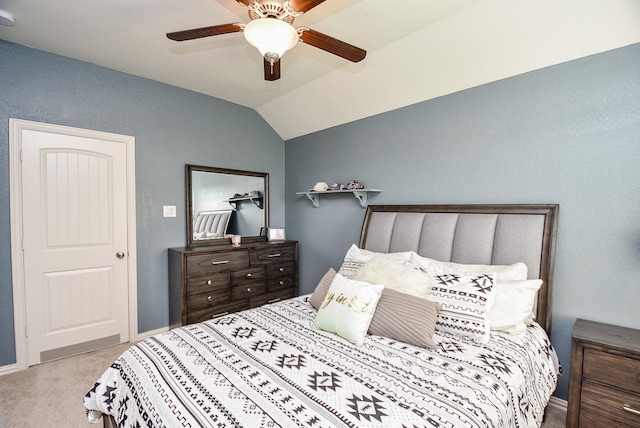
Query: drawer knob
pixel 248 275
pixel 274 255
pixel 281 282
pixel 629 409
pixel 248 289
pixel 281 269
pixel 221 262
pixel 209 299
pixel 209 282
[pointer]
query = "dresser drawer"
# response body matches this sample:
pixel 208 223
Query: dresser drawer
pixel 280 283
pixel 217 262
pixel 216 311
pixel 281 269
pixel 246 291
pixel 207 300
pixel 613 370
pixel 616 404
pixel 272 297
pixel 270 256
pixel 248 277
pixel 213 283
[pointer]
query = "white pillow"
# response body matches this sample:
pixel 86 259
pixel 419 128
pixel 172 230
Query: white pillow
pixel 513 305
pixel 348 308
pixel 465 301
pixel 399 276
pixel 357 257
pixel 516 271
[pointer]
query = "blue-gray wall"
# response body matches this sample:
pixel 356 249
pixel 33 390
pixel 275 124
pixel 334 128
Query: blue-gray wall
pixel 172 127
pixel 568 134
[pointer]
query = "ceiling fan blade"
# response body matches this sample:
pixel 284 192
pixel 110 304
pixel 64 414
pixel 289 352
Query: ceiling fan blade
pixel 271 72
pixel 331 45
pixel 304 5
pixel 198 33
pixel 245 2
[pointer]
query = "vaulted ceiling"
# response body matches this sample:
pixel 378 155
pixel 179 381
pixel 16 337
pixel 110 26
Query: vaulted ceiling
pixel 416 49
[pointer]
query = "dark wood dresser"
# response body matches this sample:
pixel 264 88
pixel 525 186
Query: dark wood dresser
pixel 206 282
pixel 604 382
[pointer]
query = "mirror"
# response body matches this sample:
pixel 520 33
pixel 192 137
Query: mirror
pixel 223 202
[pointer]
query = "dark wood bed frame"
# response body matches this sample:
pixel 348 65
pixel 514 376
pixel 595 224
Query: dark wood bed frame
pixel 386 228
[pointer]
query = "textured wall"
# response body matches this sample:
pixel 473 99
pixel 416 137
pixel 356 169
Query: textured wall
pixel 568 134
pixel 172 127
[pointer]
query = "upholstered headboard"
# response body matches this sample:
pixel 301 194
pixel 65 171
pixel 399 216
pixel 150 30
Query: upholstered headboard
pixel 211 224
pixel 476 234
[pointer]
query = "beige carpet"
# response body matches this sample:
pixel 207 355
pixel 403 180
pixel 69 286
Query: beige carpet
pixel 50 395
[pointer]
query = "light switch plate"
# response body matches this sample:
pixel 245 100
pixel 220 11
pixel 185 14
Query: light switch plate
pixel 169 211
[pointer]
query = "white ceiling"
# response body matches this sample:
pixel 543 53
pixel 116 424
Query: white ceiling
pixel 416 49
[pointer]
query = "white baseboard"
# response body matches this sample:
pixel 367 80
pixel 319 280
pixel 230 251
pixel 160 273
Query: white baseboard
pixel 8 369
pixel 558 403
pixel 12 368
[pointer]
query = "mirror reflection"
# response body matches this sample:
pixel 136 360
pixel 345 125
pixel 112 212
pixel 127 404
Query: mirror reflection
pixel 224 202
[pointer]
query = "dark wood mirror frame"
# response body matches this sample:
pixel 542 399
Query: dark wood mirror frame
pixel 264 205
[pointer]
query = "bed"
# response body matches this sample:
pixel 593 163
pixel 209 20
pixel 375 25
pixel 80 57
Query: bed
pixel 280 365
pixel 211 224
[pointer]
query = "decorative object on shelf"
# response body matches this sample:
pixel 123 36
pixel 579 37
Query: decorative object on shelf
pixel 355 184
pixel 338 186
pixel 275 234
pixel 360 194
pixel 236 239
pixel 320 186
pixel 254 196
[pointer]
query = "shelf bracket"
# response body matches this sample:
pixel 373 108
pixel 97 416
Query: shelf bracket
pixel 362 197
pixel 314 199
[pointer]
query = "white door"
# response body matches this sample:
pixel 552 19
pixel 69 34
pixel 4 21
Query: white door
pixel 75 255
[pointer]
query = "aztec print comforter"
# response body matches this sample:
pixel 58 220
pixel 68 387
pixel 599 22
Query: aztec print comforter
pixel 268 367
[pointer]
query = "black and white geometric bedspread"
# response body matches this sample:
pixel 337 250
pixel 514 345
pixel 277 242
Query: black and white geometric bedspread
pixel 269 368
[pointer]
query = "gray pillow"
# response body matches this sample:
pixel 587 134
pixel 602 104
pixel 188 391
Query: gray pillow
pixel 405 318
pixel 320 292
pixel 398 316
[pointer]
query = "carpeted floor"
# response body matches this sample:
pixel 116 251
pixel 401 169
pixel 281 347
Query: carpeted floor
pixel 50 395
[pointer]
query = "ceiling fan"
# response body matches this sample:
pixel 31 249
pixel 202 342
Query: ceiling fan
pixel 272 32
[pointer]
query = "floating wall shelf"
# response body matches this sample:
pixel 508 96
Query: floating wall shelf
pixel 360 194
pixel 257 201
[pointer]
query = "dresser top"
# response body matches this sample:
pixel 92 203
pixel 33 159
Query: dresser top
pixel 610 335
pixel 231 247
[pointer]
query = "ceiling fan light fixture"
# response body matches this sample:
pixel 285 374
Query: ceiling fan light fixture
pixel 271 36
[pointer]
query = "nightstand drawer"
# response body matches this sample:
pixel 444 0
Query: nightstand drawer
pixel 619 372
pixel 615 404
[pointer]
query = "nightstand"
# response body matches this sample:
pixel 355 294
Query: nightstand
pixel 604 382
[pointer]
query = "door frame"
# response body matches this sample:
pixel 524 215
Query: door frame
pixel 16 126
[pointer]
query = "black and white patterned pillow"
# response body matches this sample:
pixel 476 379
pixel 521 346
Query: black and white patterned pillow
pixel 466 301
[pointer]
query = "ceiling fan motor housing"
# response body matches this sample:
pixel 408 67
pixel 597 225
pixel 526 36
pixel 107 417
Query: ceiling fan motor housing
pixel 272 9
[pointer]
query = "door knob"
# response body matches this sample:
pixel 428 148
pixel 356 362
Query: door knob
pixel 120 254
